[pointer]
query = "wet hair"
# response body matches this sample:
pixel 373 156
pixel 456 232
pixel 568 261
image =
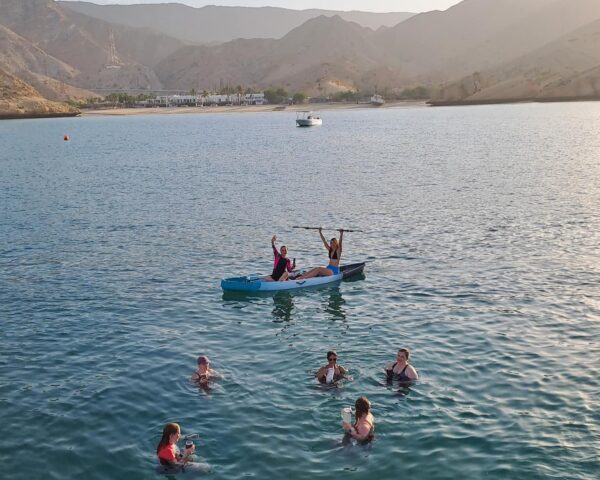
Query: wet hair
pixel 203 360
pixel 405 352
pixel 330 353
pixel 362 407
pixel 170 429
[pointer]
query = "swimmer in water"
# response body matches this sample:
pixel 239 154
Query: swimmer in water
pixel 332 372
pixel 204 373
pixel 167 451
pixel 401 370
pixel 363 430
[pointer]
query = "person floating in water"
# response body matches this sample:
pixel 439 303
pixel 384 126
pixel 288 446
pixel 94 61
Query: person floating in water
pixel 282 266
pixel 332 372
pixel 167 451
pixel 363 430
pixel 401 370
pixel 204 373
pixel 334 249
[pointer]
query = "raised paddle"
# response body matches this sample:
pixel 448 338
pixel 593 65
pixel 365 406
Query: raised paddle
pixel 326 228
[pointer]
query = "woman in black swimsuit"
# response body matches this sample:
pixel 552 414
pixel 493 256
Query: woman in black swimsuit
pixel 334 249
pixel 282 266
pixel 401 370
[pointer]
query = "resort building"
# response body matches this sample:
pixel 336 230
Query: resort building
pixel 255 99
pixel 212 99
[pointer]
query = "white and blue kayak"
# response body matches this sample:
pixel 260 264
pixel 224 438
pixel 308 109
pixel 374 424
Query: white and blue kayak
pixel 257 284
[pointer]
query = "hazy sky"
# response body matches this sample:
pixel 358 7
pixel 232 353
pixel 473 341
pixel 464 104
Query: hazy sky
pixel 366 5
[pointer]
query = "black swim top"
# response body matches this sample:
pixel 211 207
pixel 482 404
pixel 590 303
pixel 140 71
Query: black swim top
pixel 401 377
pixel 369 438
pixel 333 254
pixel 279 268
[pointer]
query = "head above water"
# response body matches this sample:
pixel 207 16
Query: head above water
pixel 203 360
pixel 332 356
pixel 283 250
pixel 170 434
pixel 403 355
pixel 333 243
pixel 362 407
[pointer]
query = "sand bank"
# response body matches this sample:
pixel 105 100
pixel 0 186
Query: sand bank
pixel 246 109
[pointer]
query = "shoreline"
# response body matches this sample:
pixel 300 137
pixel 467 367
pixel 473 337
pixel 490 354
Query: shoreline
pixel 247 109
pixel 28 116
pixel 506 101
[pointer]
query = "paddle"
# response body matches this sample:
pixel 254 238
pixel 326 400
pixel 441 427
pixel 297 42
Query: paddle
pixel 326 228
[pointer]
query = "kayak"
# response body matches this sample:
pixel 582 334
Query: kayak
pixel 257 284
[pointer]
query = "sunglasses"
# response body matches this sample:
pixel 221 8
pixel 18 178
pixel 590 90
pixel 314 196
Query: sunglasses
pixel 332 358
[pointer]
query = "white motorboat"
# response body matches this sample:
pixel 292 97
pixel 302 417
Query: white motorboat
pixel 377 100
pixel 308 119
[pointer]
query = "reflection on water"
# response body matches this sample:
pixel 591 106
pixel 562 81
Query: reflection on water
pixel 283 306
pixel 335 304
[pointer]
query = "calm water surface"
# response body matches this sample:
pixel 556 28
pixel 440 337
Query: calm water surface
pixel 482 237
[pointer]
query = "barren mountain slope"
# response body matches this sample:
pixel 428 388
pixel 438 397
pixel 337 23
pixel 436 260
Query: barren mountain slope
pixel 560 68
pixel 199 67
pixel 89 45
pixel 324 50
pixel 18 99
pixel 319 41
pixel 48 75
pixel 222 24
pixel 426 41
pixel 552 21
pixel 581 85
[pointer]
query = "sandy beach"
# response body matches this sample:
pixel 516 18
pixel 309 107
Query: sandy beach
pixel 247 108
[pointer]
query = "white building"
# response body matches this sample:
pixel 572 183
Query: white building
pixel 212 99
pixel 255 99
pixel 174 101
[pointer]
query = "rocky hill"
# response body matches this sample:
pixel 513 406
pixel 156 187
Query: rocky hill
pixel 20 100
pixel 327 54
pixel 565 68
pixel 48 75
pixel 213 24
pixel 98 55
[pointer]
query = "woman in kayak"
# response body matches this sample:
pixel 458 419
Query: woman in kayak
pixel 332 372
pixel 334 249
pixel 363 430
pixel 282 265
pixel 167 451
pixel 401 370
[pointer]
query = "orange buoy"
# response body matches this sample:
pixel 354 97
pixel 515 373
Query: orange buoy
pixel 66 138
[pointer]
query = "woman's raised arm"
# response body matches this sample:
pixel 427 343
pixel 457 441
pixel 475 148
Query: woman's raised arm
pixel 323 239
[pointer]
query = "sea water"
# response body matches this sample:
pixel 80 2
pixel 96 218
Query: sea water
pixel 481 233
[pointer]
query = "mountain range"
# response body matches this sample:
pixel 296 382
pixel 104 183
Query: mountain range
pixel 476 51
pixel 214 24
